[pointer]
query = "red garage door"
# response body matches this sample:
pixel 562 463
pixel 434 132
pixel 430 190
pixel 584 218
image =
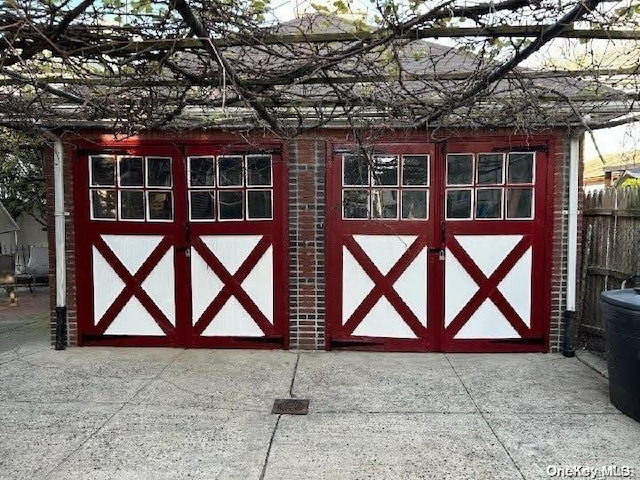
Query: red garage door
pixel 180 248
pixel 434 248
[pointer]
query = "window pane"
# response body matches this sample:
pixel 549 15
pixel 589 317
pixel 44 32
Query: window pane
pixel 414 204
pixel 384 203
pixel 132 205
pixel 459 169
pixel 202 205
pixel 230 171
pixel 490 168
pixel 201 171
pixel 458 203
pixel 415 170
pixel 355 204
pixel 385 170
pixel 158 171
pixel 103 203
pixel 259 204
pixel 521 168
pixel 103 170
pixel 519 203
pixel 489 203
pixel 160 205
pixel 258 169
pixel 230 205
pixel 356 170
pixel 131 172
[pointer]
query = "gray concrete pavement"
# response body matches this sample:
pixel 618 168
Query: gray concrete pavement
pixel 109 413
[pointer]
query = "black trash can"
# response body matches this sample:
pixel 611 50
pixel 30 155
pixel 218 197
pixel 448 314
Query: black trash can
pixel 621 315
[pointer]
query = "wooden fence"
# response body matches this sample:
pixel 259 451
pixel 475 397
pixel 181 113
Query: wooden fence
pixel 610 251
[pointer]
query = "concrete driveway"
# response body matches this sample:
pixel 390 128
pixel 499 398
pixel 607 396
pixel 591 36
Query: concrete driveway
pixel 107 413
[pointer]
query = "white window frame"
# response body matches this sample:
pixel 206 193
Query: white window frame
pixel 242 172
pixel 401 170
pixel 101 219
pixel 470 189
pixel 215 172
pixel 446 173
pixel 144 199
pixel 148 210
pixel 146 173
pixel 215 205
pixel 246 170
pixel 477 173
pixel 427 191
pixel 218 203
pixel 115 171
pixel 246 202
pixel 501 188
pixel 523 186
pixel 533 167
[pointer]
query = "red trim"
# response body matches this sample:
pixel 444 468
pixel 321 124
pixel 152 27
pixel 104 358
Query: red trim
pixel 232 286
pixel 534 232
pixel 133 286
pixel 383 286
pixel 437 232
pixel 488 287
pixel 339 233
pixel 181 234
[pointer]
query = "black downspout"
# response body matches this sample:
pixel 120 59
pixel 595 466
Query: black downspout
pixel 61 328
pixel 567 321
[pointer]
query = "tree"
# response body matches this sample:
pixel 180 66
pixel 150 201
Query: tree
pixel 22 187
pixel 139 65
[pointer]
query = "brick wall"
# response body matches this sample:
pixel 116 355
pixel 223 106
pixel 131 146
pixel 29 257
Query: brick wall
pixel 559 227
pixel 306 243
pixel 306 159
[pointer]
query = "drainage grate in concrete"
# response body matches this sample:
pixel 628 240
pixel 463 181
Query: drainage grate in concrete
pixel 291 406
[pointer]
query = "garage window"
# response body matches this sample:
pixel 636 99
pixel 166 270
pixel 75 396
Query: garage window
pixel 385 187
pixel 130 188
pixel 230 187
pixel 490 186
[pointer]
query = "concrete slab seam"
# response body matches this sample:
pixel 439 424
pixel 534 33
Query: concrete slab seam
pixel 103 424
pixel 266 458
pixel 517 467
pixel 293 377
pixel 23 325
pixel 21 357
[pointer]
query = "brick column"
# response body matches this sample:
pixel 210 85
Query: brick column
pixel 560 235
pixel 306 243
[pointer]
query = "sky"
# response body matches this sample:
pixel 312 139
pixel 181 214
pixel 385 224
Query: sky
pixel 613 140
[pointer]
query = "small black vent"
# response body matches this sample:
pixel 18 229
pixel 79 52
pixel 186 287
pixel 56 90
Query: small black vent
pixel 290 406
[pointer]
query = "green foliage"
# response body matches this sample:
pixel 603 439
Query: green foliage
pixel 22 186
pixel 630 182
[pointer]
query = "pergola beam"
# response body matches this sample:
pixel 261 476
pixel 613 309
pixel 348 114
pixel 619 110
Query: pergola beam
pixel 127 47
pixel 213 82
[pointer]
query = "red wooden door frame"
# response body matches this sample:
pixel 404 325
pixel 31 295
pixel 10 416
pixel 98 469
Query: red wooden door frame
pixel 88 233
pixel 274 234
pixel 535 235
pixel 339 233
pixel 539 238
